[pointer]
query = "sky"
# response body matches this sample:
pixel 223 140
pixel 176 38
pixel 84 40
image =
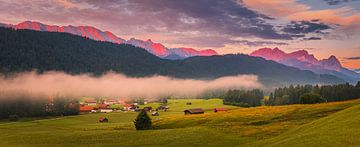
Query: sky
pixel 322 27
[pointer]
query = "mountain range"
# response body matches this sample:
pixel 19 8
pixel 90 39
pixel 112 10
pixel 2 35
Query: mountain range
pixel 299 59
pixel 93 33
pixel 27 50
pixel 303 60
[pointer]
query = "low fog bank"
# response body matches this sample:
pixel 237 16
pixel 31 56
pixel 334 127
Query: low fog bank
pixel 120 86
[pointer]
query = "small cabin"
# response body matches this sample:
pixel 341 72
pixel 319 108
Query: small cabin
pixel 194 111
pixel 103 119
pixel 219 109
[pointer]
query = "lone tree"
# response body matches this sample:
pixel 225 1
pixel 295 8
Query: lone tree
pixel 142 121
pixel 311 98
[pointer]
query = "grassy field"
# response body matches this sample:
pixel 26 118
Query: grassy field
pixel 330 124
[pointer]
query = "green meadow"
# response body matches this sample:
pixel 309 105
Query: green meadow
pixel 326 124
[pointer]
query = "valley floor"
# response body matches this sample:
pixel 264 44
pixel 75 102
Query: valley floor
pixel 328 124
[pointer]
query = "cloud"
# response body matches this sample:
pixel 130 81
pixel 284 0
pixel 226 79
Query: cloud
pixel 337 2
pixel 276 8
pixel 260 43
pixel 138 17
pixel 117 85
pixel 305 27
pixel 353 58
pixel 313 38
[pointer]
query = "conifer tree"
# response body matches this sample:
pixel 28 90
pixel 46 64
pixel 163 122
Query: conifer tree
pixel 143 121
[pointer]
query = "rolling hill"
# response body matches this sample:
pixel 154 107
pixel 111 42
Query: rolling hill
pixel 339 129
pixel 26 50
pixel 326 124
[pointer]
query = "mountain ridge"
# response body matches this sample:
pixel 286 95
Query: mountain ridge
pixel 157 49
pixel 303 60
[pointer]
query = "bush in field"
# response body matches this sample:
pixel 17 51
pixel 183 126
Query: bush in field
pixel 143 121
pixel 311 98
pixel 13 117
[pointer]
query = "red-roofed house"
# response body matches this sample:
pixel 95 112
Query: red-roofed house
pixel 86 108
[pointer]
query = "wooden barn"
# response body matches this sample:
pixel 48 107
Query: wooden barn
pixel 194 111
pixel 219 109
pixel 103 119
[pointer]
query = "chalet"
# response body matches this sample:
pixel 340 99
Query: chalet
pixel 194 111
pixel 103 119
pixel 219 109
pixel 91 102
pixel 86 108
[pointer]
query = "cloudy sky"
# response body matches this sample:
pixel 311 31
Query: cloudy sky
pixel 323 27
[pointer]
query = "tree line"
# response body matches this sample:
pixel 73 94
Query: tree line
pixel 243 98
pixel 16 105
pixel 326 93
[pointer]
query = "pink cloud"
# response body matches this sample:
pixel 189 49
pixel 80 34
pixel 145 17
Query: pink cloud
pixel 276 8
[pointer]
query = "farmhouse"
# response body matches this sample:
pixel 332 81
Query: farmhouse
pixel 219 109
pixel 105 108
pixel 110 102
pixel 91 102
pixel 128 107
pixel 86 108
pixel 194 111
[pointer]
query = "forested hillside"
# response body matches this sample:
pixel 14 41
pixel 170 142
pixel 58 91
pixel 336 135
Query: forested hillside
pixel 26 50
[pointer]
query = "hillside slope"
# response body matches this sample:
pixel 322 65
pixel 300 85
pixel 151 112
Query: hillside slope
pixel 26 50
pixel 339 129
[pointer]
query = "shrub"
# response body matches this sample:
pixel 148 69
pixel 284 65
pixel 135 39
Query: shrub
pixel 143 121
pixel 13 117
pixel 311 98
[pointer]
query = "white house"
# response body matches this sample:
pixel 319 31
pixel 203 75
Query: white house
pixel 106 110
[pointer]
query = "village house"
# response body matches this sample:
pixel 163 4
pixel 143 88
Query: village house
pixel 91 102
pixel 129 107
pixel 86 109
pixel 194 111
pixel 104 108
pixel 110 102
